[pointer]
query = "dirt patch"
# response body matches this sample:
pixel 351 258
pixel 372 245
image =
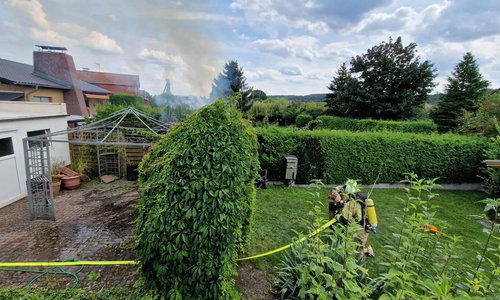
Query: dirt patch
pixel 252 283
pixel 94 222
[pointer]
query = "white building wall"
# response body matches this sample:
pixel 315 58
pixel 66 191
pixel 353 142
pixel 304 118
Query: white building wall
pixel 19 118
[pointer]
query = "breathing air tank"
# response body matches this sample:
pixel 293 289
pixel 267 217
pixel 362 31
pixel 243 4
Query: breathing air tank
pixel 372 215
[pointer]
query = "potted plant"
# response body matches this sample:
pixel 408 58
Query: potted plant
pixel 73 175
pixel 56 164
pixel 80 165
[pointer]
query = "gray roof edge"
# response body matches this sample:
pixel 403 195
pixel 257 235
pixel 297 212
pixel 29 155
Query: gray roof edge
pixel 89 88
pixel 63 83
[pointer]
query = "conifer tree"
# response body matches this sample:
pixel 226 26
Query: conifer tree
pixel 465 88
pixel 230 82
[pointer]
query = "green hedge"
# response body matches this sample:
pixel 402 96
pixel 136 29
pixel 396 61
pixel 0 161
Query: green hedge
pixel 302 120
pixel 337 123
pixel 334 156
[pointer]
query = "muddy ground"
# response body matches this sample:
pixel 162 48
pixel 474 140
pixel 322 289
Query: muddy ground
pixel 93 222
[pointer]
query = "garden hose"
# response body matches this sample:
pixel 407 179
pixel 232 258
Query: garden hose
pixel 52 270
pixel 326 225
pixel 74 262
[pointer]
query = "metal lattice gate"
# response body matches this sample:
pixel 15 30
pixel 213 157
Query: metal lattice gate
pixel 40 194
pixel 110 138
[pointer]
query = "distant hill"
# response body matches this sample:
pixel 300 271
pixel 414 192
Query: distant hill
pixel 304 98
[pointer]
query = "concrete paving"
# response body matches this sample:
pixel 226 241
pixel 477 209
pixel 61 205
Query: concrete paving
pixel 93 222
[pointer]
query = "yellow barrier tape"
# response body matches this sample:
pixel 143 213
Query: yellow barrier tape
pixel 67 263
pixel 326 225
pixel 133 262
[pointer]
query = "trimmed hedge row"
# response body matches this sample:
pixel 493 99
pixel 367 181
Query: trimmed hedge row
pixel 338 123
pixel 334 156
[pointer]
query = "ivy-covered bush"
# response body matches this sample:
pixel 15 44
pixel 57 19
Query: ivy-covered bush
pixel 338 123
pixel 333 156
pixel 195 211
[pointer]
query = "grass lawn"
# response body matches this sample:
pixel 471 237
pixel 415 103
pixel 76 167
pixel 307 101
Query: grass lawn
pixel 280 211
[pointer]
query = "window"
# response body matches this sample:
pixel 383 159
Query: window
pixel 36 133
pixel 41 99
pixel 6 147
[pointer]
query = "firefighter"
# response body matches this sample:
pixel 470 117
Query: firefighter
pixel 353 211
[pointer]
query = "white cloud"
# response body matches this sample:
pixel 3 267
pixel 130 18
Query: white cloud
pixel 304 47
pixel 190 16
pixel 337 51
pixel 51 37
pixel 381 23
pixel 112 17
pixel 316 76
pixel 98 41
pixel 292 70
pixel 33 9
pixel 316 28
pixel 264 75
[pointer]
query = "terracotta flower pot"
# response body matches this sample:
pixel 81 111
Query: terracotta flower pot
pixel 56 186
pixel 71 182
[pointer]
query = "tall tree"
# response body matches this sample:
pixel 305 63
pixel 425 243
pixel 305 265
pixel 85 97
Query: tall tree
pixel 388 82
pixel 231 81
pixel 465 88
pixel 345 89
pixel 259 95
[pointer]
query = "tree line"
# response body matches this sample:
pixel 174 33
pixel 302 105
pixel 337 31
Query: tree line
pixel 388 82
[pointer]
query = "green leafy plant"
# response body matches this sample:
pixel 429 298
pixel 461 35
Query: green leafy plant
pixel 80 166
pixel 424 264
pixel 197 205
pixel 94 275
pixel 323 267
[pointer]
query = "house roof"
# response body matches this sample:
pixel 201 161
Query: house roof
pixel 108 78
pixel 12 72
pixel 93 89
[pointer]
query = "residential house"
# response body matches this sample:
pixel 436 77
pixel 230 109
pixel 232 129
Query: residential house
pixel 54 78
pixel 117 83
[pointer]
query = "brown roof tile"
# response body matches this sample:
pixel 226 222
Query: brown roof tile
pixel 108 78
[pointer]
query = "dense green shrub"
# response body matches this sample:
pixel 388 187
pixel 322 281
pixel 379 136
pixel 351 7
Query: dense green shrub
pixel 425 265
pixel 338 123
pixel 40 293
pixel 314 109
pixel 302 120
pixel 334 156
pixel 130 120
pixel 197 204
pixel 282 111
pixel 126 100
pixel 492 152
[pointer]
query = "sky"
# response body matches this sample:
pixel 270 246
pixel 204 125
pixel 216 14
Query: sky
pixel 285 47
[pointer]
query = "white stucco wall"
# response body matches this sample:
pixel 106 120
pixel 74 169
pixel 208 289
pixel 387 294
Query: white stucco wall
pixel 19 118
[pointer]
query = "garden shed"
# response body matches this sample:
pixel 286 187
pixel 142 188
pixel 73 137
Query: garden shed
pixel 106 145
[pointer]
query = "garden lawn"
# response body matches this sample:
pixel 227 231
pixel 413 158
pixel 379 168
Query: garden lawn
pixel 281 211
